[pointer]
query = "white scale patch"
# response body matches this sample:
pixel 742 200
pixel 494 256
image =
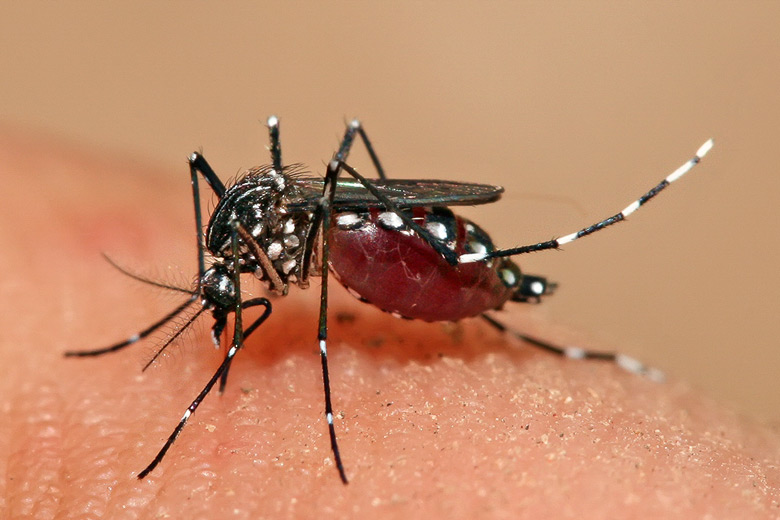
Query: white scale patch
pixel 477 247
pixel 629 363
pixel 438 230
pixel 274 250
pixel 279 182
pixel 348 220
pixel 390 220
pixel 291 241
pixel 289 226
pixel 471 257
pixel 288 266
pixel 508 276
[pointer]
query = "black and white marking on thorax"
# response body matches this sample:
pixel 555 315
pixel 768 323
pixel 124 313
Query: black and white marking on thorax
pixel 259 202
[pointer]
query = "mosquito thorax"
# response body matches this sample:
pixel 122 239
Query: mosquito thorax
pixel 259 201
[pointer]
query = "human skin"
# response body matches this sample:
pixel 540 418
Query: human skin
pixel 436 421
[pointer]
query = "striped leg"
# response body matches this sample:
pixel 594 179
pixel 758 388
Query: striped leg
pixel 625 362
pixel 323 215
pixel 239 334
pixel 198 165
pixel 558 242
pixel 135 337
pixel 276 144
pixel 321 218
pixel 354 127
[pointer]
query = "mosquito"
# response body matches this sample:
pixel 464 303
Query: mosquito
pixel 393 243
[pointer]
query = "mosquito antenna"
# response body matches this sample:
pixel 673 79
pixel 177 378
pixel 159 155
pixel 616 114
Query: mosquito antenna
pixel 143 279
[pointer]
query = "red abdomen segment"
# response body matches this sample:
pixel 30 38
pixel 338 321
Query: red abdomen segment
pixel 373 255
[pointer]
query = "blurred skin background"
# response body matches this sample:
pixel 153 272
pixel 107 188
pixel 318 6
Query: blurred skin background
pixel 576 109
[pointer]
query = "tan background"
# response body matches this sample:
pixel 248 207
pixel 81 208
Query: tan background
pixel 575 109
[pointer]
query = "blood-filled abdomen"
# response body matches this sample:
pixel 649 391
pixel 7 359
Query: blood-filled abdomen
pixel 374 255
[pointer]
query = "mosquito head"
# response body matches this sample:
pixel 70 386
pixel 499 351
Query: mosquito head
pixel 219 291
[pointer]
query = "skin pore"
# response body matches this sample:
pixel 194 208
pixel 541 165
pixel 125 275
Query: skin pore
pixel 443 421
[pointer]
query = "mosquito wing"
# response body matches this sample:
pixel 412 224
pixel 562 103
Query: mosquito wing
pixel 405 193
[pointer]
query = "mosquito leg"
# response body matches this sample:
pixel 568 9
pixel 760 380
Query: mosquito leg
pixel 625 362
pixel 220 322
pixel 598 226
pixel 276 144
pixel 238 324
pixel 135 337
pixel 323 215
pixel 198 164
pixel 238 342
pixel 217 375
pixel 216 333
pixel 354 127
